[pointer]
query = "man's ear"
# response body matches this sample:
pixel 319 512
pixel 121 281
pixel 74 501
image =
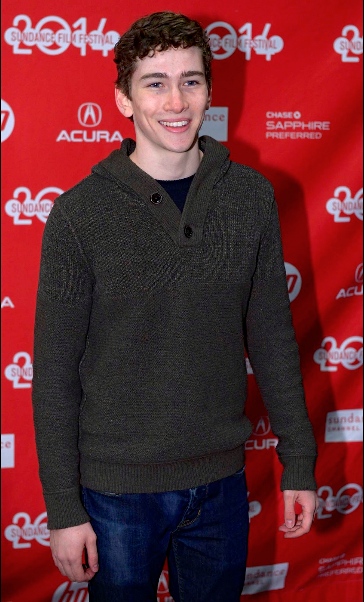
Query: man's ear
pixel 208 104
pixel 123 103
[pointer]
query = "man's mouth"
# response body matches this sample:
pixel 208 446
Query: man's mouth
pixel 175 124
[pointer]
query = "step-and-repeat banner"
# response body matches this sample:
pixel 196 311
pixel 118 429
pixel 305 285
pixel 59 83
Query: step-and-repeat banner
pixel 286 101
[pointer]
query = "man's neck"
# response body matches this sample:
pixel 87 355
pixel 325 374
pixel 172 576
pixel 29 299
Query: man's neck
pixel 169 165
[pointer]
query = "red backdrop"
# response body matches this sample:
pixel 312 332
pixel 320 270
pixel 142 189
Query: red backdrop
pixel 287 101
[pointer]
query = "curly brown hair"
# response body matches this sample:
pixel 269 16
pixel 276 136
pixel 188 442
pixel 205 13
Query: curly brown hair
pixel 154 33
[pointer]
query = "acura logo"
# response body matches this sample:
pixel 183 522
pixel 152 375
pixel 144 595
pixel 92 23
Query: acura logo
pixel 263 426
pixel 89 114
pixel 359 273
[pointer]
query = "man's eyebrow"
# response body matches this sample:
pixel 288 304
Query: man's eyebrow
pixel 154 75
pixel 165 75
pixel 192 73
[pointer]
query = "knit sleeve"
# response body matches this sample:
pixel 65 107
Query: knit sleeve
pixel 274 356
pixel 62 315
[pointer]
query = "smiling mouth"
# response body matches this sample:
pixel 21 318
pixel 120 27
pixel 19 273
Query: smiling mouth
pixel 174 124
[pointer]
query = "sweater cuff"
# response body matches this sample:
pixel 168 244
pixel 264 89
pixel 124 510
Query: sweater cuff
pixel 298 473
pixel 65 509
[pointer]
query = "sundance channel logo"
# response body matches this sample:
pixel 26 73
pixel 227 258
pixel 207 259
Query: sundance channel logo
pixel 8 451
pixel 215 123
pixel 344 426
pixel 89 115
pixel 265 578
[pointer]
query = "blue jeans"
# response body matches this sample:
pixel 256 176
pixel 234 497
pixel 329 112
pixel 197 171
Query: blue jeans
pixel 203 532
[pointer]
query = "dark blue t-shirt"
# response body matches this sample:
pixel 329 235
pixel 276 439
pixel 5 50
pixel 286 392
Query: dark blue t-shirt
pixel 177 190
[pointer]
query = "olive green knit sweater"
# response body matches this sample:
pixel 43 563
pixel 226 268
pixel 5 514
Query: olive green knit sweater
pixel 141 323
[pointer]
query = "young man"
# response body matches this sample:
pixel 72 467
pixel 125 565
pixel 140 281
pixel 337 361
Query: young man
pixel 157 271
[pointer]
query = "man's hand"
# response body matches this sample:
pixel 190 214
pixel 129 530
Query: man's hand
pixel 68 546
pixel 295 526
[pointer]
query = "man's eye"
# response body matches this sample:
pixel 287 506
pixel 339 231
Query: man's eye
pixel 191 82
pixel 155 85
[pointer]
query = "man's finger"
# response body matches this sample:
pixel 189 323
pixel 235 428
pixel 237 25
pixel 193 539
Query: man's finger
pixel 289 511
pixel 91 555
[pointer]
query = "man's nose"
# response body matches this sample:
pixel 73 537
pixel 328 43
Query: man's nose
pixel 176 100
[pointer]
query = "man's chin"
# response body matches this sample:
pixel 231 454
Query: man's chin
pixel 184 146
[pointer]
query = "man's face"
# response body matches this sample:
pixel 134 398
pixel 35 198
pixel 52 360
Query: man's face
pixel 169 97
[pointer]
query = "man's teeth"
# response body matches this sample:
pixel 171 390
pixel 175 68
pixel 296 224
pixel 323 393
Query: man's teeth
pixel 174 124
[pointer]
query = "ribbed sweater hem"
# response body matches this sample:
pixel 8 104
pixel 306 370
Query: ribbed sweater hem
pixel 161 476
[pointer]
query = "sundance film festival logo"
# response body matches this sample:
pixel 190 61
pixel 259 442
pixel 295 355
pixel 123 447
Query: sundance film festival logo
pixel 349 45
pixel 344 426
pixel 294 280
pixel 349 354
pixel 20 372
pixel 53 35
pixel 343 205
pixel 22 531
pixel 89 116
pixel 290 125
pixel 22 207
pixel 347 500
pixel 7 120
pixel 8 451
pixel 224 40
pixel 357 288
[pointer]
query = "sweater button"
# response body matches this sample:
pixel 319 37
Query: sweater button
pixel 188 231
pixel 156 198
